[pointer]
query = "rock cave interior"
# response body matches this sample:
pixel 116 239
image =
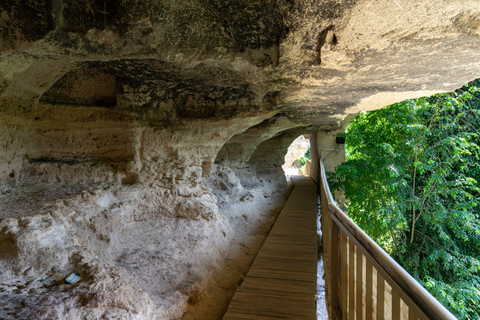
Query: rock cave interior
pixel 142 142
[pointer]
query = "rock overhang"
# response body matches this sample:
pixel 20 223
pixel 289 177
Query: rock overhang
pixel 146 125
pixel 274 66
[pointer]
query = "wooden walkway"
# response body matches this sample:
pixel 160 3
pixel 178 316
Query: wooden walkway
pixel 281 283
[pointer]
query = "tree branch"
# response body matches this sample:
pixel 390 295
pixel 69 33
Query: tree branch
pixel 423 202
pixel 413 206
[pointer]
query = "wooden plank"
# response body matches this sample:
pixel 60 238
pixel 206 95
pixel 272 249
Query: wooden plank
pixel 241 316
pixel 411 314
pixel 380 297
pixel 359 285
pixel 281 283
pixel 344 276
pixel 278 285
pixel 261 303
pixel 327 254
pixel 351 282
pixel 395 306
pixel 281 274
pixel 334 254
pixel 368 291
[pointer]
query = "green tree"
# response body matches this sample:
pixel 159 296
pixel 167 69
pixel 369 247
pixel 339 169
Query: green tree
pixel 308 154
pixel 412 176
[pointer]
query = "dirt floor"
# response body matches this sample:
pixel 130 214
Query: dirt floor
pixel 136 259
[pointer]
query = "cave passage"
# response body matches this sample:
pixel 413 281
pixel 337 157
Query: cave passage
pixel 295 159
pixel 281 282
pixel 142 142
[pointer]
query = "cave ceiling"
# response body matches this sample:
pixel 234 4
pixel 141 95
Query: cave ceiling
pixel 168 63
pixel 142 141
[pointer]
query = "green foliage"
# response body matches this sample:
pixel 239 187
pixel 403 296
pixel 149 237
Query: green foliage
pixel 300 162
pixel 308 154
pixel 412 176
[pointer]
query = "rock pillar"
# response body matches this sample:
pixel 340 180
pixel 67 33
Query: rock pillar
pixel 331 152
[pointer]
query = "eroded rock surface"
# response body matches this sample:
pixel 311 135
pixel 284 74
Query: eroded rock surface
pixel 141 142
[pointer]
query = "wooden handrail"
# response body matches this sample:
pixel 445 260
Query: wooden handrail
pixel 421 303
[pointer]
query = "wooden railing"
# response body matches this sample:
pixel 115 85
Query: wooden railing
pixel 363 281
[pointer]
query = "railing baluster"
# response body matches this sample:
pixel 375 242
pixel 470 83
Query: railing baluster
pixel 344 276
pixel 380 297
pixel 395 306
pixel 351 277
pixel 334 264
pixel 327 254
pixel 411 314
pixel 359 284
pixel 368 290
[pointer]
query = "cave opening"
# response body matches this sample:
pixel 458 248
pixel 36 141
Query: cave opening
pixel 297 158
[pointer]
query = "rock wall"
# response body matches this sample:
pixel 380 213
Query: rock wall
pixel 141 142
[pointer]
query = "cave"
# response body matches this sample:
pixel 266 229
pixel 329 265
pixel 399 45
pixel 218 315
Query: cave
pixel 142 142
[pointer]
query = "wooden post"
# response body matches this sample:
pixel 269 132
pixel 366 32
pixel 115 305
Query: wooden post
pixel 395 306
pixel 327 256
pixel 334 264
pixel 344 287
pixel 359 284
pixel 368 291
pixel 351 282
pixel 411 315
pixel 380 297
pixel 315 165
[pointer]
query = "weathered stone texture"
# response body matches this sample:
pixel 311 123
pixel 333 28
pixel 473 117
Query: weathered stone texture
pixel 141 135
pixel 24 20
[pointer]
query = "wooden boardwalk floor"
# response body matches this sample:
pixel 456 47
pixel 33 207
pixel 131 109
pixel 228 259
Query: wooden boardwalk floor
pixel 281 283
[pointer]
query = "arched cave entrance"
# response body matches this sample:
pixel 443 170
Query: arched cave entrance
pixel 297 159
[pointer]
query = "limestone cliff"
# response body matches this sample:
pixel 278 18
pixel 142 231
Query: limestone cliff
pixel 137 137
